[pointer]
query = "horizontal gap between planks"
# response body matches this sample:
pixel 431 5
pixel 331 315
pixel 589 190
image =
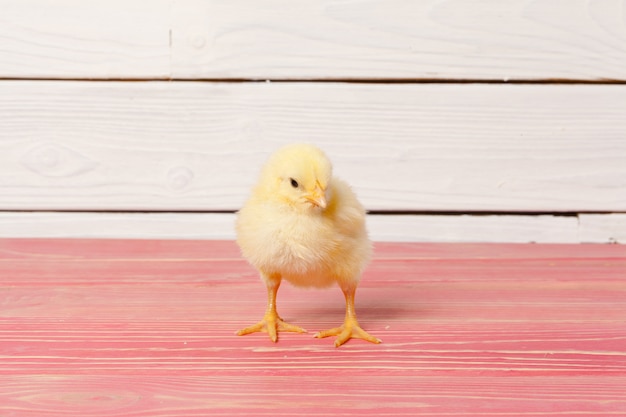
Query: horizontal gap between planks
pixel 478 213
pixel 373 212
pixel 548 81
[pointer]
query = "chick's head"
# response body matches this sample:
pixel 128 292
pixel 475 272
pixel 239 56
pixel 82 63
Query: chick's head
pixel 298 175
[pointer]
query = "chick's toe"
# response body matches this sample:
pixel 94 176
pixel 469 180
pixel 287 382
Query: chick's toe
pixel 349 330
pixel 271 324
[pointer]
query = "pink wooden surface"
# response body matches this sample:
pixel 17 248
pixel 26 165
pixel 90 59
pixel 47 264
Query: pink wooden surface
pixel 146 328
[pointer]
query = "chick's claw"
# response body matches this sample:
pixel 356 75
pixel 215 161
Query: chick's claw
pixel 349 330
pixel 271 324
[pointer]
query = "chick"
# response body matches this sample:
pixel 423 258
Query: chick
pixel 307 227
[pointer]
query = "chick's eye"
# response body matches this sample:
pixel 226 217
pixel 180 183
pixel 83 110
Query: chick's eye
pixel 294 183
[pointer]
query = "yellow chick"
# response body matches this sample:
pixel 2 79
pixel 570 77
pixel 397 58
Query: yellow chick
pixel 307 227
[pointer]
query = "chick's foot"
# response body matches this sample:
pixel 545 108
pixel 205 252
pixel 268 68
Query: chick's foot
pixel 271 324
pixel 349 330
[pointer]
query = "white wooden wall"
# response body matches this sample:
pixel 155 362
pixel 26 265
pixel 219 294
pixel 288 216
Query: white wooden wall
pixel 472 120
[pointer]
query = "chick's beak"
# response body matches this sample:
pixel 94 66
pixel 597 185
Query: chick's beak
pixel 318 198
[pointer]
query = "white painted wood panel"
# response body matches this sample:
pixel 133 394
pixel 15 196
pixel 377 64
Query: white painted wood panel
pixel 382 228
pixel 473 228
pixel 85 39
pixel 198 146
pixel 610 227
pixel 450 39
pixel 283 39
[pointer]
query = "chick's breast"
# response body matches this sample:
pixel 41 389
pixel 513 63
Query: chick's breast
pixel 310 248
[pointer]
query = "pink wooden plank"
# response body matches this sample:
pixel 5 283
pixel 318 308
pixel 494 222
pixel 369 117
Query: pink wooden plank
pixel 146 328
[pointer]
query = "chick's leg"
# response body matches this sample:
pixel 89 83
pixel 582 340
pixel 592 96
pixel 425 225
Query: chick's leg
pixel 271 323
pixel 350 328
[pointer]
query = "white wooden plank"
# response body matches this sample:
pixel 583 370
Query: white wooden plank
pixel 405 228
pixel 199 146
pixel 84 39
pixel 118 225
pixel 471 228
pixel 469 39
pixel 603 227
pixel 434 39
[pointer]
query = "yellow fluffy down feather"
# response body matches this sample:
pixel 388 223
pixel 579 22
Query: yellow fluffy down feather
pixel 307 227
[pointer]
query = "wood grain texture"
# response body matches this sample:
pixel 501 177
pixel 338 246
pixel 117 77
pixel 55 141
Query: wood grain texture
pixel 475 39
pixel 77 39
pixel 388 228
pixel 433 39
pixel 199 146
pixel 145 328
